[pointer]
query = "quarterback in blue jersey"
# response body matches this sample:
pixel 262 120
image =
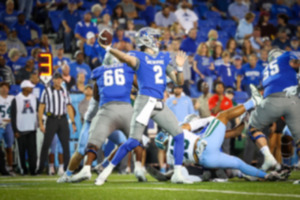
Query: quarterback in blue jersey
pixel 151 67
pixel 281 98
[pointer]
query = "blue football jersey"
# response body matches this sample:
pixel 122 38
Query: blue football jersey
pixel 114 82
pixel 227 75
pixel 279 75
pixel 151 73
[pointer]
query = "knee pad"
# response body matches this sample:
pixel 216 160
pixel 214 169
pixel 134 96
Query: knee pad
pixel 92 149
pixel 131 143
pixel 251 133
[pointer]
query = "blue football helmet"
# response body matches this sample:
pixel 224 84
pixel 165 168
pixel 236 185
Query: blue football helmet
pixel 161 140
pixel 147 37
pixel 274 53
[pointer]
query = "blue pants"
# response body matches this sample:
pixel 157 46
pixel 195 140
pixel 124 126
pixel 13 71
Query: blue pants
pixel 8 136
pixel 117 137
pixel 212 157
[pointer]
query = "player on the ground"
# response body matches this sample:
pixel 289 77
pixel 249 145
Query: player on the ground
pixel 281 98
pixel 113 87
pixel 206 150
pixel 151 68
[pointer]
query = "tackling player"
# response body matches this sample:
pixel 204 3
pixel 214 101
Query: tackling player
pixel 151 67
pixel 280 99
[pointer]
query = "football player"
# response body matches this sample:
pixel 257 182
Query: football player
pixel 206 150
pixel 281 98
pixel 151 68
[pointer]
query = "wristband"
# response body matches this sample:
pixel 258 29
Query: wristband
pixel 107 49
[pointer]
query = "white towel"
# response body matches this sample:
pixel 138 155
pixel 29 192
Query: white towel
pixel 145 114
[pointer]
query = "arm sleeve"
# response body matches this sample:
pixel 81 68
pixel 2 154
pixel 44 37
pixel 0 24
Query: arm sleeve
pixel 13 115
pixel 200 123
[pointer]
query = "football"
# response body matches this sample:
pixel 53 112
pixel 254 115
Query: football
pixel 105 37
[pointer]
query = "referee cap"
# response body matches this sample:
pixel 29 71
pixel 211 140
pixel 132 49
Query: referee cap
pixel 27 84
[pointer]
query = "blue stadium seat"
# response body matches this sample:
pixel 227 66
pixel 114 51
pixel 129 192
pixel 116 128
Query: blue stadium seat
pixel 14 89
pixel 224 41
pixel 230 31
pixel 212 15
pixel 56 19
pixel 273 21
pixel 223 34
pixel 88 5
pixel 240 97
pixel 226 23
pixel 206 24
pixel 3 35
pixel 200 9
pixel 140 22
pixel 294 22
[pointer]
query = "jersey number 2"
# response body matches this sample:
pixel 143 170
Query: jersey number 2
pixel 118 77
pixel 158 74
pixel 271 69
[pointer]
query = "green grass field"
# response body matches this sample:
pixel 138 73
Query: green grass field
pixel 125 187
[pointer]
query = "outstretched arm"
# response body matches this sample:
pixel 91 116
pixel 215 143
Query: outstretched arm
pixel 123 57
pixel 177 76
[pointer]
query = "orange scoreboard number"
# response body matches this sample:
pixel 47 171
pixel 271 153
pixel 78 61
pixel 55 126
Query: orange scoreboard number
pixel 45 67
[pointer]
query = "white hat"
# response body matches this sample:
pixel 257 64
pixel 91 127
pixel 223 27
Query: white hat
pixel 90 35
pixel 27 84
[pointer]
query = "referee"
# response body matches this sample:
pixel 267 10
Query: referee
pixel 55 101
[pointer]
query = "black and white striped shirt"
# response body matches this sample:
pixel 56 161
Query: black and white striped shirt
pixel 56 101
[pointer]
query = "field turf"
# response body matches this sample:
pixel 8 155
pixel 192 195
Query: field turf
pixel 125 187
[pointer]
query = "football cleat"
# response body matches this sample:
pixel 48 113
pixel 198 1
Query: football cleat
pixel 296 182
pixel 64 179
pixel 178 178
pixel 250 178
pixel 51 171
pixel 140 174
pixel 100 180
pixel 60 171
pixel 84 174
pixel 270 164
pixel 255 95
pixel 272 176
pixel 157 174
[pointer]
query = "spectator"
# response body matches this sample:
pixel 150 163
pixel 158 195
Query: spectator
pixel 251 73
pixel 203 100
pixel 267 44
pixel 6 75
pixel 238 63
pixel 256 39
pixel 219 102
pixel 140 5
pixel 177 30
pixel 226 72
pixel 219 6
pixel 129 8
pixel 231 47
pixel 35 55
pixel 203 64
pixel 247 50
pixel 245 28
pixel 237 10
pixel 149 13
pixel 67 78
pixel 70 17
pixel 166 39
pixel 96 12
pixel 59 60
pixel 106 23
pixel 24 122
pixel 263 61
pixel 44 44
pixel 93 52
pixel 295 46
pixel 38 86
pixel 296 10
pixel 267 29
pixel 3 50
pixel 180 104
pixel 283 24
pixel 24 27
pixel 282 40
pixel 9 16
pixel 130 31
pixel 13 41
pixel 26 8
pixel 298 31
pixel 83 105
pixel 119 40
pixel 280 8
pixel 189 44
pixel 24 72
pixel 83 27
pixel 16 62
pixel 60 4
pixel 217 55
pixel 80 85
pixel 212 41
pixel 40 11
pixel 186 17
pixel 106 9
pixel 165 18
pixel 79 66
pixel 119 18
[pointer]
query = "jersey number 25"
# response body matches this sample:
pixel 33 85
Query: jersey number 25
pixel 271 69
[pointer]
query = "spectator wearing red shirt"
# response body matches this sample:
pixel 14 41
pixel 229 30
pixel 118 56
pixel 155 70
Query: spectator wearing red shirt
pixel 219 102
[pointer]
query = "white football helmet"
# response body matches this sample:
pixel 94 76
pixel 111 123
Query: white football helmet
pixel 109 59
pixel 147 37
pixel 274 53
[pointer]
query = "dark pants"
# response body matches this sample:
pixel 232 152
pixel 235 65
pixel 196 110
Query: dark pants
pixel 27 143
pixel 61 127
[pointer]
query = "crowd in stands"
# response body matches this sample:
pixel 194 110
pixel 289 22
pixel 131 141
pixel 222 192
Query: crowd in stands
pixel 226 41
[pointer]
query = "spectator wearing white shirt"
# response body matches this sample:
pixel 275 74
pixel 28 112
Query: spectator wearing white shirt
pixel 165 18
pixel 186 17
